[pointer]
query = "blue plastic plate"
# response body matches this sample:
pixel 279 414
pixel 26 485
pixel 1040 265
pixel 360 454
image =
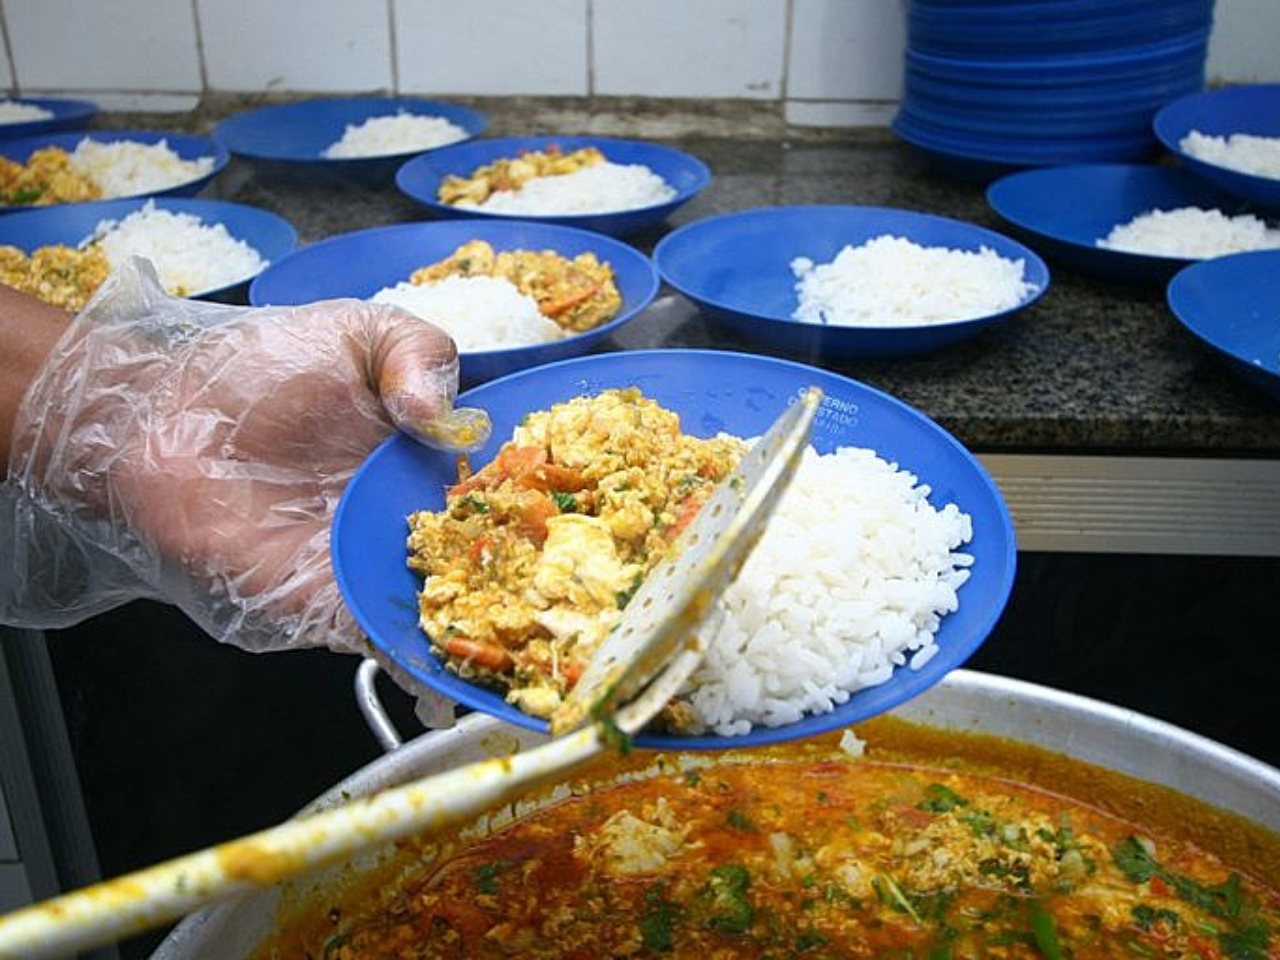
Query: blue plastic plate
pixel 67 115
pixel 420 178
pixel 712 391
pixel 1253 109
pixel 360 264
pixel 186 146
pixel 737 268
pixel 271 236
pixel 1232 305
pixel 293 136
pixel 1045 207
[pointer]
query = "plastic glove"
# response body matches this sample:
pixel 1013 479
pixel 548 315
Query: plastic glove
pixel 194 453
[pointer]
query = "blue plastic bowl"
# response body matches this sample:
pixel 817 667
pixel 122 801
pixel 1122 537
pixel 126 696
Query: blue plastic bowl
pixel 360 264
pixel 290 139
pixel 1043 207
pixel 1230 305
pixel 421 177
pixel 186 146
pixel 711 391
pixel 271 236
pixel 737 268
pixel 1253 109
pixel 67 115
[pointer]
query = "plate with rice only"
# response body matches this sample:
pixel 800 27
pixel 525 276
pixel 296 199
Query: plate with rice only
pixel 684 177
pixel 300 140
pixel 1064 212
pixel 187 147
pixel 738 269
pixel 1232 306
pixel 47 115
pixel 712 392
pixel 1222 115
pixel 365 262
pixel 270 236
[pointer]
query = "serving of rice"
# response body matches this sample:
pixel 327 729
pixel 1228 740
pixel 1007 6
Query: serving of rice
pixel 392 134
pixel 1245 152
pixel 1190 233
pixel 600 188
pixel 126 168
pixel 849 582
pixel 480 313
pixel 890 281
pixel 11 111
pixel 190 256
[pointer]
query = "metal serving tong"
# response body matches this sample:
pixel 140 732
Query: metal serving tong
pixel 644 662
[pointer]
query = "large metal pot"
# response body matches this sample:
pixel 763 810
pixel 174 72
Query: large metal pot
pixel 966 701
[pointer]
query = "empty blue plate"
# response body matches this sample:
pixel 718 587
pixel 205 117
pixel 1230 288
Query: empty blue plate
pixel 1232 305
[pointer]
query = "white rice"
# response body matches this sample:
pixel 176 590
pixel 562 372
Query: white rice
pixel 1191 233
pixel 600 188
pixel 190 256
pixel 392 134
pixel 849 582
pixel 480 313
pixel 890 281
pixel 1245 152
pixel 126 168
pixel 13 112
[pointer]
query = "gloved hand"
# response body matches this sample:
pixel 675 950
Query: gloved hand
pixel 194 453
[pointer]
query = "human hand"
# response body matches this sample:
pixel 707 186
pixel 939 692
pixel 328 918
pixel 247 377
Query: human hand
pixel 194 453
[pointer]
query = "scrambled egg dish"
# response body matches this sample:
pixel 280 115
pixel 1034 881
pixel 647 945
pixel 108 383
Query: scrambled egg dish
pixel 578 294
pixel 511 173
pixel 46 178
pixel 959 847
pixel 60 275
pixel 535 555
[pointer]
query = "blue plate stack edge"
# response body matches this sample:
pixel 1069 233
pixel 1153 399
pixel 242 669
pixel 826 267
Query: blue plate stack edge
pixel 993 86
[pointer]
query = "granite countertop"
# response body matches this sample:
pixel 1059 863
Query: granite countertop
pixel 1092 368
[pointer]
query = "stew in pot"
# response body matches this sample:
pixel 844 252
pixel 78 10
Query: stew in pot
pixel 923 845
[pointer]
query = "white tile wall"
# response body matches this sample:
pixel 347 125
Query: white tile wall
pixel 1245 45
pixel 87 45
pixel 6 68
pixel 495 48
pixel 826 61
pixel 689 48
pixel 296 45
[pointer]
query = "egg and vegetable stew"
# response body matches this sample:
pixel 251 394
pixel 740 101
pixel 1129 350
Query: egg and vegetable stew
pixel 536 554
pixel 927 846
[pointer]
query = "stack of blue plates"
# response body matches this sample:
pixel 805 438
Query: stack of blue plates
pixel 996 85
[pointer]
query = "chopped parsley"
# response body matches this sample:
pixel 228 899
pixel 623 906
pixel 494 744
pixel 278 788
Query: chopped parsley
pixel 565 502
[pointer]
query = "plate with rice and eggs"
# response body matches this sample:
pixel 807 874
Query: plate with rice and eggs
pixel 80 167
pixel 511 293
pixel 1229 137
pixel 850 281
pixel 886 566
pixel 207 249
pixel 604 184
pixel 360 139
pixel 1135 223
